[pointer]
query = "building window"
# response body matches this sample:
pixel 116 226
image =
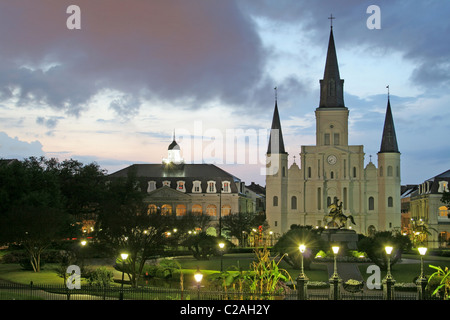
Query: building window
pixel 151 186
pixel 294 203
pixel 328 201
pixel 390 202
pixel 319 198
pixel 275 201
pixel 389 171
pixel 345 198
pixel 309 172
pixel 284 172
pixel 196 210
pixel 181 186
pixel 152 209
pixel 371 203
pixel 180 210
pixel 211 187
pixel 331 175
pixel 336 139
pixel 327 139
pixel 166 183
pixel 211 210
pixel 226 210
pixel 226 187
pixel 166 210
pixel 354 172
pixel 196 187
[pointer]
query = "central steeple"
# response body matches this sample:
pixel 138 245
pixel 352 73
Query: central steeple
pixel 331 86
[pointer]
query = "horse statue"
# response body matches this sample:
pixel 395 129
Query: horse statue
pixel 337 217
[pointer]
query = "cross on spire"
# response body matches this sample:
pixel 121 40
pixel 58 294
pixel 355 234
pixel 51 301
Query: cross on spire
pixel 331 20
pixel 275 93
pixel 388 90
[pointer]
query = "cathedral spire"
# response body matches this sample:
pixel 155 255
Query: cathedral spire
pixel 331 86
pixel 389 138
pixel 276 143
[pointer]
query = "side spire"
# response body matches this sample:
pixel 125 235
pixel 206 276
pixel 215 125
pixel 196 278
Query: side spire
pixel 389 138
pixel 276 143
pixel 331 86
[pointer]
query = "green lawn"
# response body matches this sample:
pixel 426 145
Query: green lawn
pixel 402 272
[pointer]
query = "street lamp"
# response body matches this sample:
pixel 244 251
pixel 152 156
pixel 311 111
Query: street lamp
pixel 198 276
pixel 221 247
pixel 422 281
pixel 388 288
pixel 335 280
pixel 124 257
pixel 302 279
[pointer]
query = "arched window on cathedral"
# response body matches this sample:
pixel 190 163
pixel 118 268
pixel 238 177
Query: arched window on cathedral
pixel 354 172
pixel 331 175
pixel 284 171
pixel 180 210
pixel 196 210
pixel 226 210
pixel 152 209
pixel 309 172
pixel 389 171
pixel 166 210
pixel 371 203
pixel 390 202
pixel 211 210
pixel 275 201
pixel 294 203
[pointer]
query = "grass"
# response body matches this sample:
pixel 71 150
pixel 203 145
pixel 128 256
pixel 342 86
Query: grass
pixel 402 272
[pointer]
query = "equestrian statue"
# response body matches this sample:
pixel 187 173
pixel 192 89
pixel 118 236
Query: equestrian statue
pixel 335 216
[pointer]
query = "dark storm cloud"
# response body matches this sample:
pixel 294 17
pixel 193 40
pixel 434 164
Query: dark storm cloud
pixel 170 50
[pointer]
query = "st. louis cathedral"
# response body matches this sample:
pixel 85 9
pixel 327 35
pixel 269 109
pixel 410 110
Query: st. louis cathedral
pixel 332 170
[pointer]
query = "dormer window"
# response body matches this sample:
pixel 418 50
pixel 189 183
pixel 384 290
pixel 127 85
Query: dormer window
pixel 196 186
pixel 151 186
pixel 181 186
pixel 226 187
pixel 211 187
pixel 166 183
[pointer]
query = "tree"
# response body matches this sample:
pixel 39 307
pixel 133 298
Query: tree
pixel 289 243
pixel 237 224
pixel 374 247
pixel 32 207
pixel 202 245
pixel 125 224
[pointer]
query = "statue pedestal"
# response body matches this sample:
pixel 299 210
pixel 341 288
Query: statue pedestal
pixel 345 237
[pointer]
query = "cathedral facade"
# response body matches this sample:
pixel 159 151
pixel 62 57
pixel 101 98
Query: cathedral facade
pixel 332 170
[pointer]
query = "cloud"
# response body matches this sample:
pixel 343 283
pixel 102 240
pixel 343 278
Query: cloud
pixel 17 149
pixel 165 50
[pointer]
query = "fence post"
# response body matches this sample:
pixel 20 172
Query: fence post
pixel 421 289
pixel 302 287
pixel 388 288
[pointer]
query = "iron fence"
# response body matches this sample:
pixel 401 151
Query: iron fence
pixel 11 291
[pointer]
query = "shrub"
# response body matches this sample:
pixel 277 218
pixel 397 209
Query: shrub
pixel 100 277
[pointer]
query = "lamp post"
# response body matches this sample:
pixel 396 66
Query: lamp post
pixel 422 281
pixel 198 276
pixel 335 280
pixel 124 257
pixel 221 247
pixel 302 279
pixel 388 282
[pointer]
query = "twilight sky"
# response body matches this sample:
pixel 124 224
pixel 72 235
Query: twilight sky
pixel 115 90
